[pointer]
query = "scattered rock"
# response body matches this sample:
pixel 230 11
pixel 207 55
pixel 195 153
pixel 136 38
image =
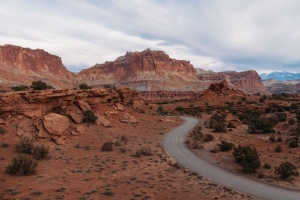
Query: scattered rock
pixel 103 121
pixel 31 114
pixel 109 113
pixel 127 118
pixel 119 107
pixel 56 124
pixel 80 129
pixel 25 123
pixel 83 105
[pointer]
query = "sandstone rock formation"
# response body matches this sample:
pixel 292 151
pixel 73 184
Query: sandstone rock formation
pixel 127 118
pixel 277 87
pixel 248 81
pixel 56 124
pixel 143 71
pixel 23 65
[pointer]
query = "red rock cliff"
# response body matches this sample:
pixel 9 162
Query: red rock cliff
pixel 143 71
pixel 23 65
pixel 247 81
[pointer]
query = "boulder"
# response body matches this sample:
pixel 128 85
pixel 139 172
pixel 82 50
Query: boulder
pixel 127 118
pixel 103 121
pixel 56 124
pixel 31 114
pixel 119 107
pixel 80 129
pixel 83 105
pixel 77 117
pixel 109 113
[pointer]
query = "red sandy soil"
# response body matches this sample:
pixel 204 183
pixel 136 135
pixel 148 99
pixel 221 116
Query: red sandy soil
pixel 265 148
pixel 89 173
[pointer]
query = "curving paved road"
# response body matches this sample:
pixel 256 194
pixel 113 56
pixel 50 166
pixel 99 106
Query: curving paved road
pixel 174 144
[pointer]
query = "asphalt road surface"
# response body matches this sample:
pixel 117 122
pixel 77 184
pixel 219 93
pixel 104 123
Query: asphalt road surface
pixel 174 145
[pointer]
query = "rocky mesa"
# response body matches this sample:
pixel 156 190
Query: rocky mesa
pixel 20 65
pixel 144 71
pixel 248 82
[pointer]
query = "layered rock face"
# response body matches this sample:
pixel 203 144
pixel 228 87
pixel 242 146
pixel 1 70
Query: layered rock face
pixel 277 86
pixel 248 81
pixel 33 111
pixel 143 71
pixel 23 65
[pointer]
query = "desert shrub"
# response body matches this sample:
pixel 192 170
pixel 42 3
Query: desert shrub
pixel 208 138
pixel 117 143
pixel 293 144
pixel 226 146
pixel 5 145
pixel 214 150
pixel 291 122
pixel 279 139
pixel 144 151
pixel 39 152
pixel 247 157
pixel 179 108
pixel 89 116
pixel 244 99
pixel 124 138
pixel 286 170
pixel 84 86
pixel 123 150
pixel 267 166
pixel 24 146
pixel 59 110
pixel 272 138
pixel 160 110
pixel 294 106
pixel 22 165
pixel 2 131
pixel 20 88
pixel 87 147
pixel 40 85
pixel 231 125
pixel 281 117
pixel 278 149
pixel 107 146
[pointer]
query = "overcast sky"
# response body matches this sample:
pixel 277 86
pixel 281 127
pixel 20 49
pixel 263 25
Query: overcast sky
pixel 218 35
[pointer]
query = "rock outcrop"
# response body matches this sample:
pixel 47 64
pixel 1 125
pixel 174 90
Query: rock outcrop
pixel 248 81
pixel 23 65
pixel 143 71
pixel 277 86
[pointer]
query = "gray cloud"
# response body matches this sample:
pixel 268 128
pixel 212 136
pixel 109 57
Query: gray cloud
pixel 216 35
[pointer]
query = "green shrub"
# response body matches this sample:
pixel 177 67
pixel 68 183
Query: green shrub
pixel 2 131
pixel 144 151
pixel 89 116
pixel 84 86
pixel 24 146
pixel 267 166
pixel 279 139
pixel 59 110
pixel 124 138
pixel 226 146
pixel 231 125
pixel 278 149
pixel 272 138
pixel 5 145
pixel 40 85
pixel 179 108
pixel 293 144
pixel 286 170
pixel 107 146
pixel 208 138
pixel 22 165
pixel 39 152
pixel 247 157
pixel 20 88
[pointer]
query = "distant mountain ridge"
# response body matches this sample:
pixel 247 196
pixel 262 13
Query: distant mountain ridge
pixel 283 76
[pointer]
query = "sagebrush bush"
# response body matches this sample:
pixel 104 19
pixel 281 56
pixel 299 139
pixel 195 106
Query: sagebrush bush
pixel 293 144
pixel 272 138
pixel 20 88
pixel 208 138
pixel 24 146
pixel 22 165
pixel 2 131
pixel 226 146
pixel 89 116
pixel 124 138
pixel 144 151
pixel 39 152
pixel 40 85
pixel 107 146
pixel 267 166
pixel 278 149
pixel 84 86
